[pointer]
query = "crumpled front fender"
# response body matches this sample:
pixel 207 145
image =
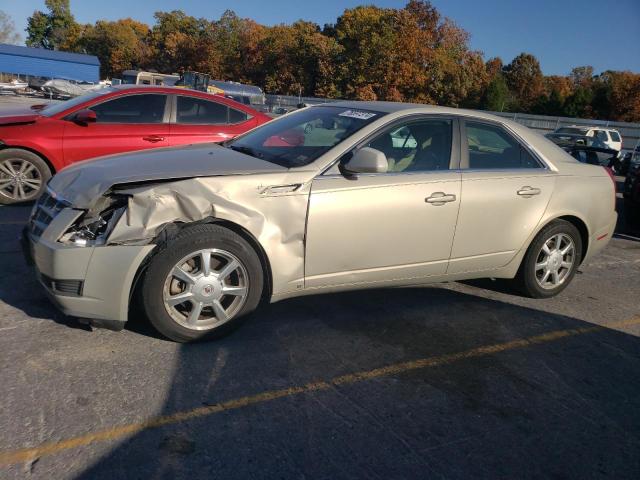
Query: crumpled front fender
pixel 272 207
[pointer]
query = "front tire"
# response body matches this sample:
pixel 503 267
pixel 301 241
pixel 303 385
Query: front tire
pixel 202 283
pixel 23 176
pixel 551 261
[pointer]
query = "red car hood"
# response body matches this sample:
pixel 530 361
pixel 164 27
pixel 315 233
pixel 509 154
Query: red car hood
pixel 18 118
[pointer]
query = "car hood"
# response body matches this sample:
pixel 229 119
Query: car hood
pixel 84 183
pixel 18 118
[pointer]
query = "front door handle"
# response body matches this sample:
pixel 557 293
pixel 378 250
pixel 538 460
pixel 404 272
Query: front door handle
pixel 528 191
pixel 153 138
pixel 440 198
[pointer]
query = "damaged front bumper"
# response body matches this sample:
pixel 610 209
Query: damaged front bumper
pixel 91 283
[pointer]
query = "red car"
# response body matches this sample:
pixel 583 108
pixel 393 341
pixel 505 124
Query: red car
pixel 36 144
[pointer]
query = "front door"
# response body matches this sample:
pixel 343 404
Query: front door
pixel 394 226
pixel 505 192
pixel 124 124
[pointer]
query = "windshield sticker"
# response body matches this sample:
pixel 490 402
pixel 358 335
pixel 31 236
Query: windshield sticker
pixel 357 114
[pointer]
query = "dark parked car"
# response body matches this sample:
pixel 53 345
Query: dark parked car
pixel 631 191
pixel 585 149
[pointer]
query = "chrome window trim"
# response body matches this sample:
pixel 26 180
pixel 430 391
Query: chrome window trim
pixel 527 171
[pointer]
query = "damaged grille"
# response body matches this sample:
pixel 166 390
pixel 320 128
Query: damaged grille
pixel 46 209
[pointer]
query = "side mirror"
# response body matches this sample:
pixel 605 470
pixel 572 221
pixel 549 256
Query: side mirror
pixel 85 117
pixel 367 160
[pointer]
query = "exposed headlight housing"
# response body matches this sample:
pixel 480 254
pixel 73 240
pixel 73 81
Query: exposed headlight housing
pixel 95 225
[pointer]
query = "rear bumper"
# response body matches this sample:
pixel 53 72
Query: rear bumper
pixel 87 282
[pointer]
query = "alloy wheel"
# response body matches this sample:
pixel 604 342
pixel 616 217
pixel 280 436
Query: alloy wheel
pixel 19 179
pixel 206 289
pixel 555 261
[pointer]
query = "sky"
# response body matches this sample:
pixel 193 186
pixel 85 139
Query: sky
pixel 562 34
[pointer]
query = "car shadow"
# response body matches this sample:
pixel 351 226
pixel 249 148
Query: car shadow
pixel 566 407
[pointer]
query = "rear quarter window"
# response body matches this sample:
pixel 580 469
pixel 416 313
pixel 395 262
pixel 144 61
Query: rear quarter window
pixel 615 136
pixel 237 116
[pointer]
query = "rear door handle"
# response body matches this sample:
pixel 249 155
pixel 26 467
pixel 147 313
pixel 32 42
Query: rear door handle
pixel 440 198
pixel 153 138
pixel 528 191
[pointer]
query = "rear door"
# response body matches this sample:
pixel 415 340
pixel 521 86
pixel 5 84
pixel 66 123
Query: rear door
pixel 505 192
pixel 198 120
pixel 124 124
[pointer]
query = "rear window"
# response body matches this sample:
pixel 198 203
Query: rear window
pixel 199 111
pixel 614 136
pixel 236 116
pixel 572 130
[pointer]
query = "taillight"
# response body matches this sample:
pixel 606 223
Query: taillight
pixel 613 179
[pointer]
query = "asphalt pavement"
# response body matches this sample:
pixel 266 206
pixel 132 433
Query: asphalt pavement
pixel 460 380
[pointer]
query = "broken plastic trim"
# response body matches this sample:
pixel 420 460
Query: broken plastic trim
pixel 95 225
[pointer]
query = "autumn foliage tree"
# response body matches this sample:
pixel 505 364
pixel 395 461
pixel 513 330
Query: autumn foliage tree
pixel 119 45
pixel 524 78
pixel 410 54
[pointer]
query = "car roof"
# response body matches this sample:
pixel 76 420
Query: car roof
pixel 393 107
pixel 159 88
pixel 182 91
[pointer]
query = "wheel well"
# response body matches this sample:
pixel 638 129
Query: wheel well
pixel 35 152
pixel 248 236
pixel 172 229
pixel 582 229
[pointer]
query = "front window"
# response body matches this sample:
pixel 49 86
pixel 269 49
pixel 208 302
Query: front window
pixel 55 108
pixel 417 146
pixel 300 138
pixel 141 109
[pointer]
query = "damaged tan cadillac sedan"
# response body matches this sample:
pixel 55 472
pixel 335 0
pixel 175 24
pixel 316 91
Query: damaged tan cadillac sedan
pixel 342 196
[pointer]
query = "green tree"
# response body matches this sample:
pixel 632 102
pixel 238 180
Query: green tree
pixel 496 98
pixel 55 30
pixel 579 103
pixel 7 29
pixel 555 103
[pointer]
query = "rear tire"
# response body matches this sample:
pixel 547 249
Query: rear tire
pixel 203 283
pixel 551 261
pixel 23 176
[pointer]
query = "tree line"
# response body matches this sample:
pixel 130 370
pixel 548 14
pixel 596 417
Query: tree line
pixel 410 54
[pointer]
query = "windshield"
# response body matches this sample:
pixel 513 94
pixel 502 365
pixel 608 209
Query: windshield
pixel 55 108
pixel 301 137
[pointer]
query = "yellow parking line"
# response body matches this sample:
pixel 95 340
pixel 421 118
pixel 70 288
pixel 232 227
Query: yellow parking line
pixel 26 454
